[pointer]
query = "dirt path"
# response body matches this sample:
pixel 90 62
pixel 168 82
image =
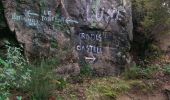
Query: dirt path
pixel 154 96
pixel 162 92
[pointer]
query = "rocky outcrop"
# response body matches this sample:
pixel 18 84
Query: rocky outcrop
pixel 91 32
pixel 163 42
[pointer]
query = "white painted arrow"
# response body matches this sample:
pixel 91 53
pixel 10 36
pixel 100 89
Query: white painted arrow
pixel 71 21
pixel 90 58
pixel 28 13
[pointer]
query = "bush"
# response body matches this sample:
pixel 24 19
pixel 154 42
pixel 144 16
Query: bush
pixel 40 84
pixel 133 72
pixel 107 88
pixel 138 72
pixel 38 80
pixel 43 80
pixel 86 70
pixel 166 69
pixel 14 72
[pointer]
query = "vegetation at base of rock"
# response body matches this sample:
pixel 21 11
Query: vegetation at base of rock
pixel 103 88
pixel 148 72
pixel 14 72
pixel 138 72
pixel 86 70
pixel 37 80
pixel 44 80
pixel 108 88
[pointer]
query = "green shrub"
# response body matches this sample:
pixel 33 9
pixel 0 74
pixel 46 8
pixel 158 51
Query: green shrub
pixel 166 69
pixel 133 72
pixel 107 88
pixel 40 85
pixel 137 72
pixel 43 80
pixel 61 84
pixel 13 71
pixel 38 80
pixel 86 70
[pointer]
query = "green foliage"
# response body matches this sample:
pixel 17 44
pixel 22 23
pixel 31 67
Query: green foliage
pixel 142 86
pixel 150 17
pixel 85 73
pixel 156 14
pixel 61 84
pixel 86 70
pixel 106 88
pixel 13 71
pixel 40 85
pixel 14 56
pixel 19 97
pixel 38 80
pixel 138 72
pixel 54 43
pixel 133 72
pixel 149 13
pixel 43 3
pixel 53 62
pixel 3 63
pixel 43 80
pixel 166 69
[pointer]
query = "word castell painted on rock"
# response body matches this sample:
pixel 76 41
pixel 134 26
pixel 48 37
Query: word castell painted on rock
pixel 90 48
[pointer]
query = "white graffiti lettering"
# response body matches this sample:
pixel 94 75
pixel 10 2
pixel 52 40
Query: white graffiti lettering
pixel 31 21
pixel 92 36
pixel 89 48
pixel 16 17
pixel 98 13
pixel 48 19
pixel 47 13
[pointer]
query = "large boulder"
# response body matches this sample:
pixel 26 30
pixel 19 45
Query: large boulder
pixel 88 32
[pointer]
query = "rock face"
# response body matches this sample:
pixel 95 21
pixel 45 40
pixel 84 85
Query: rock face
pixel 87 32
pixel 163 42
